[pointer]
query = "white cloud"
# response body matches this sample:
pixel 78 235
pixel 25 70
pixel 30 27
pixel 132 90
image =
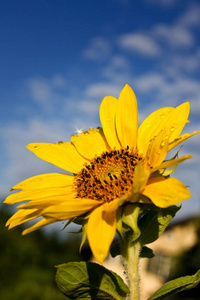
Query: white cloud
pixel 59 81
pixel 21 162
pixel 179 34
pixel 117 70
pixel 99 49
pixel 89 106
pixel 167 91
pixel 150 81
pixel 191 16
pixel 40 90
pixel 175 36
pixel 50 94
pixel 188 63
pixel 119 62
pixel 100 90
pixel 140 43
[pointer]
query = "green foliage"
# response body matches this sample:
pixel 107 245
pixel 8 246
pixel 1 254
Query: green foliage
pixel 83 280
pixel 153 223
pixel 27 264
pixel 146 252
pixel 175 286
pixel 115 250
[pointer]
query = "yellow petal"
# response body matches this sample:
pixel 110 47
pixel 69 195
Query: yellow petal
pixel 113 205
pixel 37 194
pixel 158 148
pixel 127 117
pixel 49 180
pixel 172 162
pixel 178 119
pixel 140 178
pixel 44 202
pixel 21 216
pixel 150 127
pixel 90 143
pixel 181 139
pixel 166 192
pixel 38 225
pixel 163 125
pixel 70 208
pixel 159 145
pixel 101 231
pixel 107 116
pixel 62 155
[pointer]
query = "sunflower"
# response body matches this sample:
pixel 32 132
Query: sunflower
pixel 111 166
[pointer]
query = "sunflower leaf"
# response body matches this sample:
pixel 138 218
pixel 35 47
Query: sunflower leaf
pixel 82 280
pixel 153 223
pixel 177 285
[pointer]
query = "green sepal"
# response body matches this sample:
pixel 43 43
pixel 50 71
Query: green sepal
pixel 84 234
pixel 166 172
pixel 177 285
pixel 130 219
pixel 80 220
pixel 119 222
pixel 146 252
pixel 163 172
pixel 68 223
pixel 86 280
pixel 115 249
pixel 153 223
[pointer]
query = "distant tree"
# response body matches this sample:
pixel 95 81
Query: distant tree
pixel 27 263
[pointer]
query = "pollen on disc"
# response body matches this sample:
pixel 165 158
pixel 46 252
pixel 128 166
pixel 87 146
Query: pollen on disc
pixel 108 176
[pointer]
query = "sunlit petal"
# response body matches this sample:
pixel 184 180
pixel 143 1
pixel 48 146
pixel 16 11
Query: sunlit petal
pixel 38 225
pixel 127 117
pixel 21 216
pixel 157 149
pixel 151 127
pixel 178 119
pixel 181 139
pixel 161 127
pixel 107 116
pixel 90 143
pixel 101 231
pixel 62 155
pixel 172 162
pixel 49 180
pixel 71 207
pixel 37 194
pixel 166 192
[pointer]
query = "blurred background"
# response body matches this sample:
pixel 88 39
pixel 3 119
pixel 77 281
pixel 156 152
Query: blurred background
pixel 58 59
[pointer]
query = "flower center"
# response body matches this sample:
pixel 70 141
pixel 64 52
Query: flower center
pixel 108 176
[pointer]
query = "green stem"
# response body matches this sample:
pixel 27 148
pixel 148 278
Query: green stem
pixel 131 251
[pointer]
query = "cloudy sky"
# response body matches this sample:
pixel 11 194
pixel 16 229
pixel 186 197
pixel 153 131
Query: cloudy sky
pixel 60 58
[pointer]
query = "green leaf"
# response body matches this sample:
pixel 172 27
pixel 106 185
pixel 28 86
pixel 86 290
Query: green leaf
pixel 153 223
pixel 175 286
pixel 146 252
pixel 81 280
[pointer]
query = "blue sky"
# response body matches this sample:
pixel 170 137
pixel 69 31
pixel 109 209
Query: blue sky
pixel 60 58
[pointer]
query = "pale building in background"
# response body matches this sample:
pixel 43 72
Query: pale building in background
pixel 176 239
